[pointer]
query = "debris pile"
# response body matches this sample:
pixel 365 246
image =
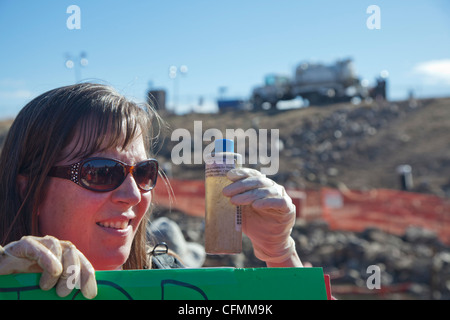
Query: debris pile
pixel 417 260
pixel 321 143
pixel 360 146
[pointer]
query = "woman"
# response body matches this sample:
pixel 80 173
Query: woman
pixel 76 174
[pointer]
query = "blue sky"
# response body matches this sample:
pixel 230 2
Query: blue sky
pixel 232 44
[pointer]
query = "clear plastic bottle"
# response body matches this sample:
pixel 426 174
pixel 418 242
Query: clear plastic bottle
pixel 223 221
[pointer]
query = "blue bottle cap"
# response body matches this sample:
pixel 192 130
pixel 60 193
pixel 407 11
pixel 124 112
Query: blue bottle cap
pixel 224 145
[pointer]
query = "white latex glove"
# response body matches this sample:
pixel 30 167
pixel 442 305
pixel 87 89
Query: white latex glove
pixel 268 213
pixel 53 258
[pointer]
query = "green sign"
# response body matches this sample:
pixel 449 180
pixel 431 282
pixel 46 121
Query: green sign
pixel 184 284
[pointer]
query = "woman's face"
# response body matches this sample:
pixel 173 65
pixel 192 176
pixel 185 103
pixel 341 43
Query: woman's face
pixel 102 225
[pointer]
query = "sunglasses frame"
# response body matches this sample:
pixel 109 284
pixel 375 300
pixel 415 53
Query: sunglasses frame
pixel 72 172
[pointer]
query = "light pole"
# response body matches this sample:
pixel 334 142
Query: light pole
pixel 76 65
pixel 173 74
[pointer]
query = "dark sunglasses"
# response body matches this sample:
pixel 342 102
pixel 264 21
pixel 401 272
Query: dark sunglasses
pixel 103 174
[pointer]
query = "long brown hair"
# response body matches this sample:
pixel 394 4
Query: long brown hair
pixel 44 127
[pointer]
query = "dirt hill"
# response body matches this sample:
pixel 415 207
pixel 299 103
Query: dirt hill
pixel 343 144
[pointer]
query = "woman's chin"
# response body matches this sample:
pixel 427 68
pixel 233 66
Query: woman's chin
pixel 114 262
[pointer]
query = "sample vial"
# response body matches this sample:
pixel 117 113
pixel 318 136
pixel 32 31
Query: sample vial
pixel 223 221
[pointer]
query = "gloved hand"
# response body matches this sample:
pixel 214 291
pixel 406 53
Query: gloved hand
pixel 268 213
pixel 57 260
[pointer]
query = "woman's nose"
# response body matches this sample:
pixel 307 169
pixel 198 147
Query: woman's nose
pixel 128 192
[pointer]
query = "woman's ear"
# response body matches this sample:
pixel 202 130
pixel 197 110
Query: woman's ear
pixel 22 182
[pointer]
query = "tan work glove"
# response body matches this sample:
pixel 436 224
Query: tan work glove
pixel 268 213
pixel 57 260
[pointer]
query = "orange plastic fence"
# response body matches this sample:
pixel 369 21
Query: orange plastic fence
pixel 389 210
pixel 188 196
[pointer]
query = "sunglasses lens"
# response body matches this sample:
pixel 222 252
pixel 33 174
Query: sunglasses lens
pixel 145 174
pixel 102 174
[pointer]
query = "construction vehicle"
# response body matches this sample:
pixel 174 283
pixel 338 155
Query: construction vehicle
pixel 318 83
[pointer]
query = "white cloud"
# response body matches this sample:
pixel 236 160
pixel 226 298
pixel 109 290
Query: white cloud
pixel 14 90
pixel 16 94
pixel 434 71
pixel 9 82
